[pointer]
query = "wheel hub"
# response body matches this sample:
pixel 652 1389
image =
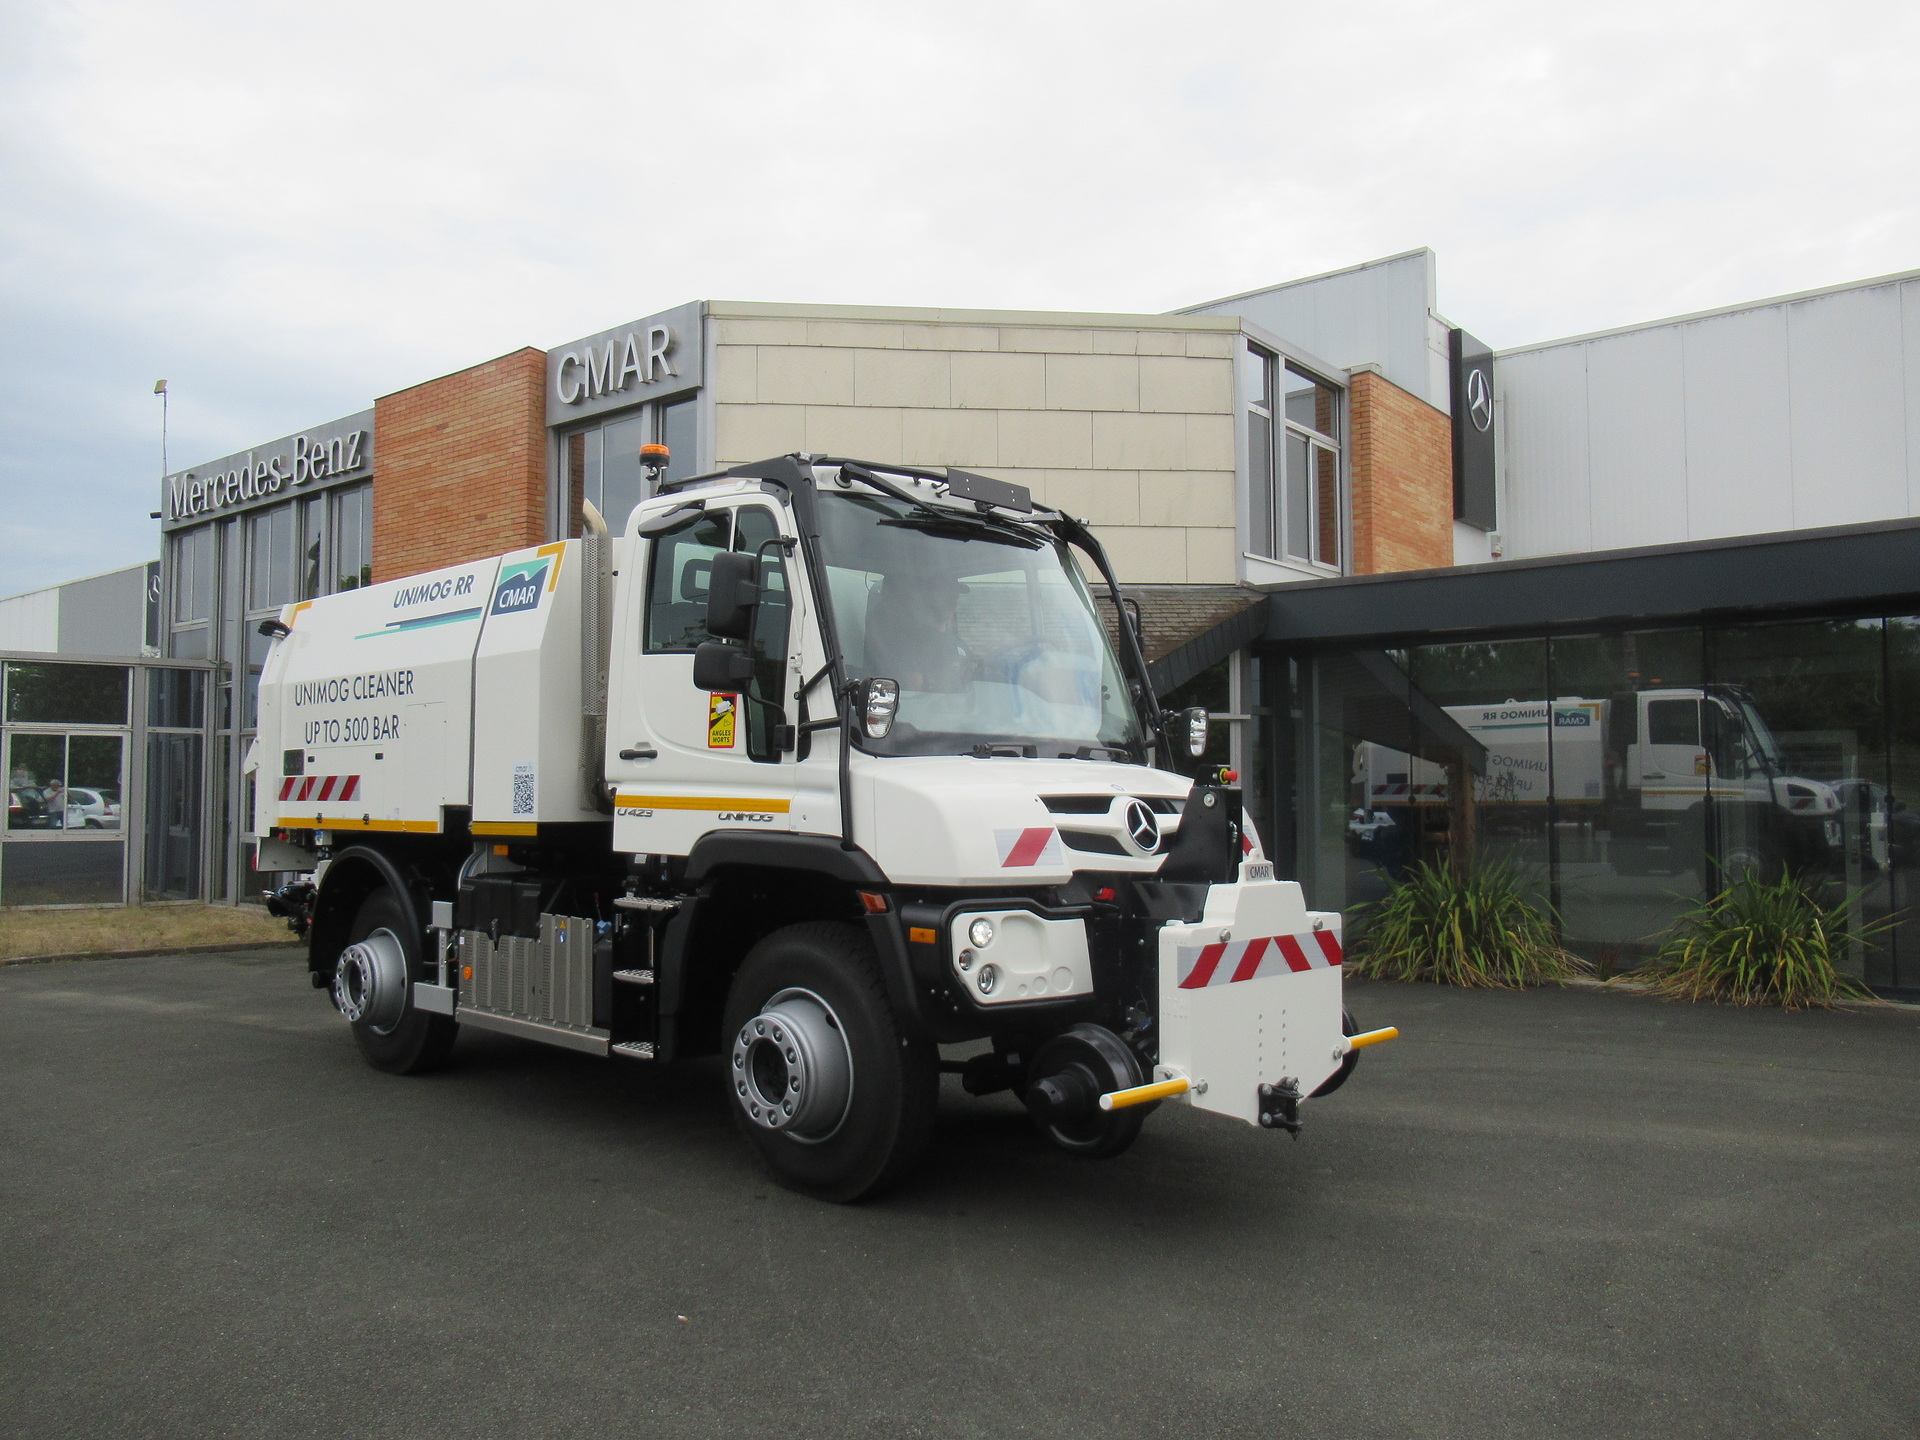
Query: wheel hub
pixel 370 981
pixel 792 1070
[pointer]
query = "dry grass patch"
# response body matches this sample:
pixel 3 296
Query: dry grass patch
pixel 134 929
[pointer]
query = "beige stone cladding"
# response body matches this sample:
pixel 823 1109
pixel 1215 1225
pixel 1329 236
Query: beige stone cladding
pixel 1124 420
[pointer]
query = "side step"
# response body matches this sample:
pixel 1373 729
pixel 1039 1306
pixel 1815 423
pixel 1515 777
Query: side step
pixel 634 1049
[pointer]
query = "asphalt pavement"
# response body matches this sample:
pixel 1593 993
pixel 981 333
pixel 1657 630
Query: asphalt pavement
pixel 1565 1213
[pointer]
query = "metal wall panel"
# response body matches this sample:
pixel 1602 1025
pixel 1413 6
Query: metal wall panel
pixel 1637 381
pixel 31 621
pixel 1739 461
pixel 1849 409
pixel 1373 314
pixel 1910 367
pixel 1543 416
pixel 1789 414
pixel 105 614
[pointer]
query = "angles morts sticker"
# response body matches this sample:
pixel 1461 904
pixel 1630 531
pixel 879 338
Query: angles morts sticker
pixel 721 713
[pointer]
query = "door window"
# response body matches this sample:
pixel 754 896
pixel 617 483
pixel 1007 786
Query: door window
pixel 682 566
pixel 753 527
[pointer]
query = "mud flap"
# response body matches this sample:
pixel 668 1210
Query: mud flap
pixel 1250 997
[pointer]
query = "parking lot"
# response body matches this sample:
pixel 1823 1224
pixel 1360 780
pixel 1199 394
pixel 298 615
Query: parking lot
pixel 1554 1214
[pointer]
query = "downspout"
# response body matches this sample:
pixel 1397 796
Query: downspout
pixel 596 600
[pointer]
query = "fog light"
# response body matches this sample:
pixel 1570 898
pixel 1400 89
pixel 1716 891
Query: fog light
pixel 965 960
pixel 981 933
pixel 988 977
pixel 878 706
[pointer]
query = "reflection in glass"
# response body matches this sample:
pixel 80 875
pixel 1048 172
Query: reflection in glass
pixel 1312 404
pixel 1299 497
pixel 85 872
pixel 677 433
pixel 49 692
pixel 353 537
pixel 36 782
pixel 173 816
pixel 621 484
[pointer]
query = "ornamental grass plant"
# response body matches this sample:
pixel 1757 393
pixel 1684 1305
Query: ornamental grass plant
pixel 1760 942
pixel 1478 929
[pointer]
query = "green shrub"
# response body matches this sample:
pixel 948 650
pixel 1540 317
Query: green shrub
pixel 1478 929
pixel 1759 942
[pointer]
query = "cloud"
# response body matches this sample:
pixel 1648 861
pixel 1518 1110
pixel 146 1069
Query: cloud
pixel 288 211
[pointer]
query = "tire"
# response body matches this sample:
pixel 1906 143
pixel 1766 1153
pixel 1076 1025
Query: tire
pixel 835 1100
pixel 393 1035
pixel 1348 1026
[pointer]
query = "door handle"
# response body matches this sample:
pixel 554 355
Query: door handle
pixel 640 753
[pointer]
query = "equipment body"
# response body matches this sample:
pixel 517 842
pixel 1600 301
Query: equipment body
pixel 819 766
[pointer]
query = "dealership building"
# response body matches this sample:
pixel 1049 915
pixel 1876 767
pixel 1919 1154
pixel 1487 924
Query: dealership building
pixel 1397 567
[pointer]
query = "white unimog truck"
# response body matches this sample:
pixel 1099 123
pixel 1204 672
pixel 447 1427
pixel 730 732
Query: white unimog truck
pixel 820 766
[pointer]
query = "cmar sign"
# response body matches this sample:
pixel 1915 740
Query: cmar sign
pixel 325 455
pixel 647 360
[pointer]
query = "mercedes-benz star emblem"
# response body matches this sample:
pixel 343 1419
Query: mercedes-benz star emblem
pixel 1479 399
pixel 1142 828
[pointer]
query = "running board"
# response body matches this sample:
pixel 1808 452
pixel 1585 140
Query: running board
pixel 592 1040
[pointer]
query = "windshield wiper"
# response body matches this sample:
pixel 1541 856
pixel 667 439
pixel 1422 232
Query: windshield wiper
pixel 956 522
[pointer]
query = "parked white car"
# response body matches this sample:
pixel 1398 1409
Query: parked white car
pixel 92 809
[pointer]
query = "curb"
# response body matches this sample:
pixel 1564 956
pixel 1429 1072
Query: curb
pixel 144 954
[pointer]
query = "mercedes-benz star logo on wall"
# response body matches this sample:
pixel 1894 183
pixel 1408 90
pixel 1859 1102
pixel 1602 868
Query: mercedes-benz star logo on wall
pixel 1142 828
pixel 1479 398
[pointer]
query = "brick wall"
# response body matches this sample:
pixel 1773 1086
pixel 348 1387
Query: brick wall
pixel 1124 420
pixel 460 466
pixel 1402 459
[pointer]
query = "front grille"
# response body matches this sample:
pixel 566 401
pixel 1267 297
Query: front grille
pixel 1093 842
pixel 1078 804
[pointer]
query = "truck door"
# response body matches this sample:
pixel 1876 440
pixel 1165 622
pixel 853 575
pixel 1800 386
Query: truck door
pixel 1673 765
pixel 715 761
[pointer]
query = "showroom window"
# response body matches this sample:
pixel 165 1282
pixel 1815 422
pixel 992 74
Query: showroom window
pixel 1298 502
pixel 602 464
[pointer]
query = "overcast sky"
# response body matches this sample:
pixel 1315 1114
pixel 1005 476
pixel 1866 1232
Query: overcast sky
pixel 288 210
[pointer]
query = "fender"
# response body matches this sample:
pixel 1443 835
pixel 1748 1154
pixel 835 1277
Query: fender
pixel 350 877
pixel 821 855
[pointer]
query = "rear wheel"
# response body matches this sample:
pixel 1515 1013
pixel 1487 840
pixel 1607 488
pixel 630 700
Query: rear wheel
pixel 834 1099
pixel 373 987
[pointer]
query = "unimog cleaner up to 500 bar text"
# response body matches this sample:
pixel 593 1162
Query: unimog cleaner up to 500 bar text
pixel 820 766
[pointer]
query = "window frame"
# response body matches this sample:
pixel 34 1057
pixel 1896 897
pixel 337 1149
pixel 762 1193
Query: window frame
pixel 1265 512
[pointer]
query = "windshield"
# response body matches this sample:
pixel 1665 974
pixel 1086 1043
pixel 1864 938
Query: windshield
pixel 987 627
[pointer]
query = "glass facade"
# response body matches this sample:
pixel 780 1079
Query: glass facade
pixel 79 743
pixel 602 463
pixel 1628 774
pixel 224 577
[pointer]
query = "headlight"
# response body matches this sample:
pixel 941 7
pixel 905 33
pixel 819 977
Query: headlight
pixel 988 977
pixel 981 933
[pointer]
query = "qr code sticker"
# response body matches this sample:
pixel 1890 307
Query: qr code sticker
pixel 523 789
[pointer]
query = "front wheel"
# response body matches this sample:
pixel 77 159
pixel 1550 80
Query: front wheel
pixel 373 988
pixel 834 1099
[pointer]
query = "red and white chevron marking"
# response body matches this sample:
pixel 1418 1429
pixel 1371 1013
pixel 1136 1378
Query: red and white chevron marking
pixel 320 787
pixel 1200 966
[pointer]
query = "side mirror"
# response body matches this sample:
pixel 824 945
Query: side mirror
pixel 721 667
pixel 1196 724
pixel 876 701
pixel 733 590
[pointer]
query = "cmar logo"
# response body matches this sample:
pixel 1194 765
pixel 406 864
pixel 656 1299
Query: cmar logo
pixel 519 587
